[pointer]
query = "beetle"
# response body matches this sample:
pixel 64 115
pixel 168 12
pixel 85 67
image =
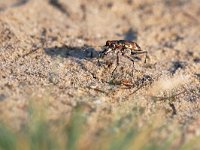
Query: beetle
pixel 119 46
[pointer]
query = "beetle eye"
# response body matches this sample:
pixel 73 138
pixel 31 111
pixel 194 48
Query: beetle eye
pixel 108 43
pixel 137 46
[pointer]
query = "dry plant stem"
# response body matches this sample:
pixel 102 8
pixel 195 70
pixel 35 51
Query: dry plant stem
pixel 174 111
pixel 126 97
pixel 169 97
pixel 32 51
pixel 98 90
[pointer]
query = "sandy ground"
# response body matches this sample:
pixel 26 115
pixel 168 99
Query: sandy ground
pixel 49 52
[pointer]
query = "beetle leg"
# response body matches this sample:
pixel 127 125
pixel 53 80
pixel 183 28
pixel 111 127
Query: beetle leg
pixel 116 64
pixel 133 62
pixel 103 53
pixel 140 52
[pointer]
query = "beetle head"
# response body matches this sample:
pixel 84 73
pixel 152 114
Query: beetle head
pixel 110 44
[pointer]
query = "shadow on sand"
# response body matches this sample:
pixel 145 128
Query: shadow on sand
pixel 84 52
pixel 80 53
pixel 130 35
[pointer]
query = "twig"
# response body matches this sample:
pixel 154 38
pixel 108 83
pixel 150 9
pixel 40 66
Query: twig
pixel 169 97
pixel 98 90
